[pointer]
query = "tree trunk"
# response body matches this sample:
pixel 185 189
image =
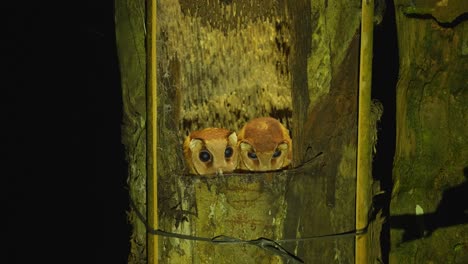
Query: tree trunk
pixel 429 200
pixel 130 38
pixel 220 64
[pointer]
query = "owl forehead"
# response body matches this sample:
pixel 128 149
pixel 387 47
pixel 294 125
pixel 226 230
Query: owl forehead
pixel 213 139
pixel 264 134
pixel 211 133
pixel 216 146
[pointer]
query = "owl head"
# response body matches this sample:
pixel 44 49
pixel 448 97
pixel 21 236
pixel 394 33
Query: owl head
pixel 264 145
pixel 211 151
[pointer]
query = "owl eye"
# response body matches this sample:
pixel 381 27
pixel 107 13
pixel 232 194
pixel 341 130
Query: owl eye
pixel 204 156
pixel 252 155
pixel 228 152
pixel 277 153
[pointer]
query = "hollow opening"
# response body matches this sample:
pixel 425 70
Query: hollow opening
pixel 385 77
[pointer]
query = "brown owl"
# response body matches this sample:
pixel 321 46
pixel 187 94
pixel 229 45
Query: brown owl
pixel 264 145
pixel 211 151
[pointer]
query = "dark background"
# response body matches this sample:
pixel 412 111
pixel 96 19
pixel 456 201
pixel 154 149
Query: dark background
pixel 384 81
pixel 65 191
pixel 66 172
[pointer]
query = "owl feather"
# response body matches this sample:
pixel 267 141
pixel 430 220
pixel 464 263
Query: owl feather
pixel 211 151
pixel 264 145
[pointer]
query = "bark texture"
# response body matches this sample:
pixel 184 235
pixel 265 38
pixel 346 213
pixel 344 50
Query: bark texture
pixel 220 64
pixel 428 206
pixel 130 38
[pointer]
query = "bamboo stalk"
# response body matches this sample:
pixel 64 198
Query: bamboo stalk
pixel 364 154
pixel 151 133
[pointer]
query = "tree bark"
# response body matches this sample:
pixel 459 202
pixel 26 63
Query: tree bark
pixel 220 64
pixel 130 38
pixel 431 152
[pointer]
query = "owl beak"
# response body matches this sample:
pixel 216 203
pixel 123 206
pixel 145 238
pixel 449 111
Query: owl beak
pixel 264 162
pixel 219 172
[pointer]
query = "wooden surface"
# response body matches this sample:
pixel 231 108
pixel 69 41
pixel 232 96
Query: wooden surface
pixel 364 148
pixel 152 245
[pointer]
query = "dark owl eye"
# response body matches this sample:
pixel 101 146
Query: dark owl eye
pixel 277 153
pixel 228 152
pixel 204 156
pixel 252 155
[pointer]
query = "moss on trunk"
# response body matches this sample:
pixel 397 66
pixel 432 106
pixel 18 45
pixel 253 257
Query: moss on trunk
pixel 431 152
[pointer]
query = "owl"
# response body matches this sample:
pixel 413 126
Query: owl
pixel 211 151
pixel 264 145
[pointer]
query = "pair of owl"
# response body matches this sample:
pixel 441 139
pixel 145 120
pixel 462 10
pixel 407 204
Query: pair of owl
pixel 263 144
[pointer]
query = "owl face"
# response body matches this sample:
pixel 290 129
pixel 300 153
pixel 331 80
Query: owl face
pixel 211 151
pixel 264 145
